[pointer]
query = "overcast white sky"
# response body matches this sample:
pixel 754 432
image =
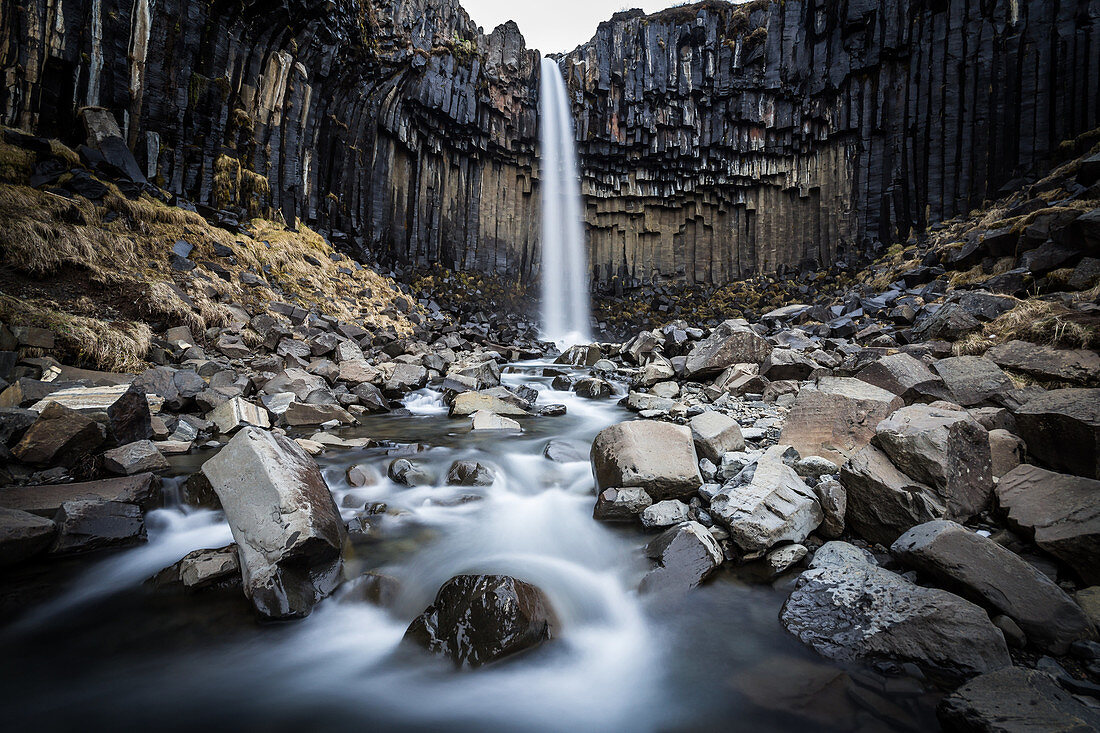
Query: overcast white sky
pixel 554 26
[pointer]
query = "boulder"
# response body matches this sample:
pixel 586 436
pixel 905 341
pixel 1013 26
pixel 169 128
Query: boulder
pixel 357 371
pixel 771 507
pixel 581 355
pixel 946 450
pixel 45 501
pixel 733 342
pixel 837 417
pixel 950 323
pixel 478 619
pixel 1062 430
pixel 882 502
pixel 23 535
pixel 833 499
pixel 405 378
pixel 974 380
pixel 286 525
pixel 139 457
pixel 782 559
pixel 83 526
pixel 1080 366
pixel 905 376
pixel 787 364
pixel 983 571
pixel 1006 451
pixel 297 381
pixel 1060 512
pixel 470 473
pixel 665 513
pixel 299 413
pixel 404 472
pixel 846 607
pixel 1015 700
pixel 129 418
pixel 715 434
pixel 592 388
pixel 485 420
pixel 60 436
pixel 686 554
pixel 202 569
pixel 656 456
pixel 467 403
pixel 621 505
pixel 238 413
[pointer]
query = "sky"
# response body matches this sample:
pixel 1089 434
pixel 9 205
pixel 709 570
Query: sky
pixel 555 26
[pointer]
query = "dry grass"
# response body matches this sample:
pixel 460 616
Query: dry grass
pixel 1037 321
pixel 119 346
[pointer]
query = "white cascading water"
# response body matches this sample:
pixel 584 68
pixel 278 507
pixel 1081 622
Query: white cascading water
pixel 565 310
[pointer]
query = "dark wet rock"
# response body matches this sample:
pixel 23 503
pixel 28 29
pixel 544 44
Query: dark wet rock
pixel 787 364
pixel 950 323
pixel 371 398
pixel 406 473
pixel 946 450
pixel 1015 700
pixel 974 380
pixel 833 499
pixel 375 588
pixel 60 436
pixel 983 306
pixel 847 608
pixel 715 434
pixel 733 342
pixel 23 535
pixel 580 355
pixel 139 457
pixel 203 569
pixel 905 376
pixel 836 417
pixel 686 555
pixel 767 506
pixel 592 388
pixel 621 505
pixel 564 450
pixel 656 456
pixel 45 501
pixel 286 525
pixel 882 502
pixel 981 570
pixel 14 422
pixel 1062 430
pixel 470 473
pixel 1060 512
pixel 478 619
pixel 83 526
pixel 1044 362
pixel 129 418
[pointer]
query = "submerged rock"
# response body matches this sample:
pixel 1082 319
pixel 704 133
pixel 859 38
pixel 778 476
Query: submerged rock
pixel 84 525
pixel 1015 700
pixel 478 619
pixel 286 525
pixel 23 535
pixel 846 607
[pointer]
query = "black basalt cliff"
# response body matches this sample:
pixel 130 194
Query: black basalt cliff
pixel 716 140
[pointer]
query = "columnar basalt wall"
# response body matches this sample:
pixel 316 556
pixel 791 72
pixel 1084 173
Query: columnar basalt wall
pixel 716 140
pixel 719 140
pixel 394 122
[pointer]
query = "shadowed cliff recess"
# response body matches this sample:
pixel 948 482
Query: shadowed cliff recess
pixel 717 140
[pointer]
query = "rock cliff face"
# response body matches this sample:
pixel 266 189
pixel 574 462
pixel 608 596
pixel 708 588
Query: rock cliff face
pixel 721 140
pixel 716 140
pixel 394 122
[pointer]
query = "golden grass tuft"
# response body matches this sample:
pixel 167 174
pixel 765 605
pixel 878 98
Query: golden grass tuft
pixel 1037 321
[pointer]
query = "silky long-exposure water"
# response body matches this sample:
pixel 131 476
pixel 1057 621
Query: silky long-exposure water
pixel 109 651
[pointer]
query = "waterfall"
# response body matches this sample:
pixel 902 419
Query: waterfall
pixel 565 310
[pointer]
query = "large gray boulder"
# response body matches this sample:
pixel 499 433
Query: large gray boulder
pixel 286 525
pixel 770 505
pixel 1062 430
pixel 974 380
pixel 837 417
pixel 732 342
pixel 686 554
pixel 715 434
pixel 946 450
pixel 656 456
pixel 981 570
pixel 1079 366
pixel 477 619
pixel 1015 700
pixel 882 502
pixel 846 607
pixel 906 376
pixel 1060 512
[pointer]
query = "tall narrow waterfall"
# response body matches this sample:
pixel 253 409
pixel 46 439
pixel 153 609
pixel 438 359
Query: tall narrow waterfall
pixel 565 310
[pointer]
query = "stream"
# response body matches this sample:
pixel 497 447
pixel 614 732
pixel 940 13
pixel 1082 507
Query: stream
pixel 105 651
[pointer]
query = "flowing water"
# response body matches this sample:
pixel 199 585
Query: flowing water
pixel 105 650
pixel 564 273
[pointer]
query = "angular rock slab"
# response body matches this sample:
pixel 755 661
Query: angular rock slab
pixel 882 502
pixel 775 506
pixel 1080 366
pixel 1062 429
pixel 846 607
pixel 44 501
pixel 60 435
pixel 981 570
pixel 238 413
pixel 1061 513
pixel 974 380
pixel 946 450
pixel 621 505
pixel 1015 700
pixel 286 525
pixel 23 535
pixel 905 376
pixel 716 434
pixel 142 456
pixel 83 526
pixel 656 456
pixel 837 417
pixel 687 554
pixel 478 619
pixel 733 342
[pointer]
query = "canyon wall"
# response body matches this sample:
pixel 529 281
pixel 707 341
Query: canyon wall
pixel 716 140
